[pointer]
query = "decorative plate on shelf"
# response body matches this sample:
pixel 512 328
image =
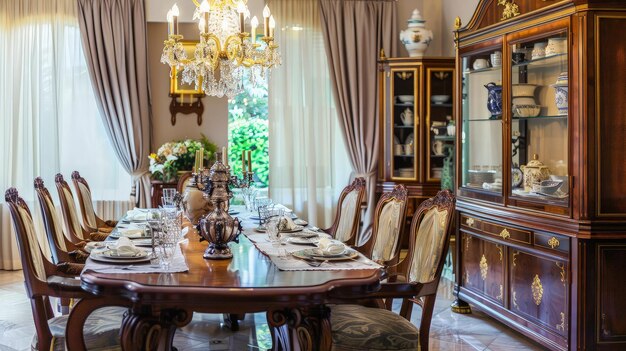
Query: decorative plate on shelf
pixel 517 177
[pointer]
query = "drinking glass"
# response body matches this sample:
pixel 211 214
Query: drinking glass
pixel 273 233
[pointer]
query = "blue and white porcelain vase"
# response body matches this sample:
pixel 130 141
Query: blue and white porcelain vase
pixel 416 37
pixel 494 100
pixel 560 96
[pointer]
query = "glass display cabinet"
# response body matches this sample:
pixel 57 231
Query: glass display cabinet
pixel 417 126
pixel 541 211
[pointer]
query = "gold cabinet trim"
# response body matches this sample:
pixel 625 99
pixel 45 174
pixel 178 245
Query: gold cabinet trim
pixel 515 300
pixel 501 296
pixel 511 9
pixel 484 267
pixel 505 234
pixel 562 268
pixel 537 290
pixel 469 221
pixel 554 242
pixel 499 247
pixel 515 257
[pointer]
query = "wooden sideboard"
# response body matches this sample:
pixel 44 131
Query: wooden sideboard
pixel 550 266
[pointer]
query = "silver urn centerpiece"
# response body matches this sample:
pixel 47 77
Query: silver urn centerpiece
pixel 218 227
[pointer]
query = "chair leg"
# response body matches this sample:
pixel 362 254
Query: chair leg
pixel 427 316
pixel 231 320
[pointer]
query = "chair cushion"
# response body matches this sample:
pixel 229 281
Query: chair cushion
pixel 101 330
pixel 356 327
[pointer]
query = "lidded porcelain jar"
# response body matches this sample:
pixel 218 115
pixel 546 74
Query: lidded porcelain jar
pixel 560 93
pixel 416 37
pixel 534 172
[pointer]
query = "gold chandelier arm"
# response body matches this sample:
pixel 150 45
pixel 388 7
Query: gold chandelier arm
pixel 234 49
pixel 214 57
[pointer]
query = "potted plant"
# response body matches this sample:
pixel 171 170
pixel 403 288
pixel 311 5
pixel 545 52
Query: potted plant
pixel 175 157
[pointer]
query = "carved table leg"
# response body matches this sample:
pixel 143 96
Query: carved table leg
pixel 306 329
pixel 146 329
pixel 74 337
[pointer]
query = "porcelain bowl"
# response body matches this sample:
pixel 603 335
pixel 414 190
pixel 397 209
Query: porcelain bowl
pixel 563 179
pixel 439 99
pixel 547 186
pixel 406 98
pixel 523 90
pixel 526 110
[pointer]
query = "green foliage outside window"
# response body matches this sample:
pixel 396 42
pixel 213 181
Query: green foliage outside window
pixel 248 130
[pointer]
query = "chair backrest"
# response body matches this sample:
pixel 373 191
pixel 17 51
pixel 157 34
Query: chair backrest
pixel 430 234
pixel 84 201
pixel 70 216
pixel 183 180
pixel 389 217
pixel 52 224
pixel 346 224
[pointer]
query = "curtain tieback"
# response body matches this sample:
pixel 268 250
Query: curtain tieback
pixel 364 175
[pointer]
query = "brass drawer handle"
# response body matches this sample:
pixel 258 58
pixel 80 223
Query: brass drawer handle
pixel 554 242
pixel 505 234
pixel 469 221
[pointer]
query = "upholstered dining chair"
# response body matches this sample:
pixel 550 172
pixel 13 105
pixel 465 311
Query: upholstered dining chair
pixel 356 327
pixel 62 249
pixel 73 230
pixel 183 180
pixel 346 224
pixel 383 246
pixel 43 280
pixel 91 221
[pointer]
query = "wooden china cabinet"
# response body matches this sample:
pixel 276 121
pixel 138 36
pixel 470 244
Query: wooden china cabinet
pixel 541 206
pixel 416 107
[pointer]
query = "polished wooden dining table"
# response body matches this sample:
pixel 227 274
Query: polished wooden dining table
pixel 158 303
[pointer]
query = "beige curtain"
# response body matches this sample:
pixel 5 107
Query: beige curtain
pixel 354 33
pixel 114 40
pixel 308 161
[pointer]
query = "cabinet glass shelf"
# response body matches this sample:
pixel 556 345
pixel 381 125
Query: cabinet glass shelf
pixel 539 118
pixel 403 126
pixel 544 61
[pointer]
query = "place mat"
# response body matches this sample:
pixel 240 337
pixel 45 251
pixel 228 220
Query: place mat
pixel 178 265
pixel 290 263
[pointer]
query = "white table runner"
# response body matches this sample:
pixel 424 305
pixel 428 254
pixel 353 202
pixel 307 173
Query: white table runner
pixel 178 265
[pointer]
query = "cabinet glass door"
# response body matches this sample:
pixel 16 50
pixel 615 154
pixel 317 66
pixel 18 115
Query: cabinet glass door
pixel 405 120
pixel 539 126
pixel 481 149
pixel 440 136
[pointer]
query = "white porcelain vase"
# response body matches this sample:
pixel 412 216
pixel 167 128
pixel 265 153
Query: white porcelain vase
pixel 416 37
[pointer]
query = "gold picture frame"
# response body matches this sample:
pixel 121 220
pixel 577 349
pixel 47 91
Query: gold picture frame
pixel 177 87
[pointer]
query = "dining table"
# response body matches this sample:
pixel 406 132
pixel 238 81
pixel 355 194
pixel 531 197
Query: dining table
pixel 293 294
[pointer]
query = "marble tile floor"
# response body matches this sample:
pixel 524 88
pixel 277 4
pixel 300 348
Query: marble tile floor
pixel 449 331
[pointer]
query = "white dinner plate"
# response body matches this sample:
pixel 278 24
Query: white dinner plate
pixel 316 254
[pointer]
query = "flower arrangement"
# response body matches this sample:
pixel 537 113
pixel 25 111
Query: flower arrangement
pixel 175 156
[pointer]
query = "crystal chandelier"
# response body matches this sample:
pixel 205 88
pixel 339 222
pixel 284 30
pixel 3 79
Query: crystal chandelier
pixel 225 49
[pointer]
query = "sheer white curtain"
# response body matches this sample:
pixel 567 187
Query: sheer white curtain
pixel 50 121
pixel 308 161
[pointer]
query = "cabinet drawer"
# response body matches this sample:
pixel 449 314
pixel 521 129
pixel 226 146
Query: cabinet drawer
pixel 552 242
pixel 498 230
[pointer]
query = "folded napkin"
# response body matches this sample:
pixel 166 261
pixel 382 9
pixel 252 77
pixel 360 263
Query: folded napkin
pixel 286 223
pixel 137 215
pixel 131 232
pixel 330 246
pixel 124 247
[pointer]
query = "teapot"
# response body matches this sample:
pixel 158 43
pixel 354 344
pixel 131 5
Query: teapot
pixel 407 117
pixel 534 172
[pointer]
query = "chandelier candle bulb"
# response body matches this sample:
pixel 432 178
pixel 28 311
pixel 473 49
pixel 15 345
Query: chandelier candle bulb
pixel 272 26
pixel 170 23
pixel 266 21
pixel 241 9
pixel 254 23
pixel 175 14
